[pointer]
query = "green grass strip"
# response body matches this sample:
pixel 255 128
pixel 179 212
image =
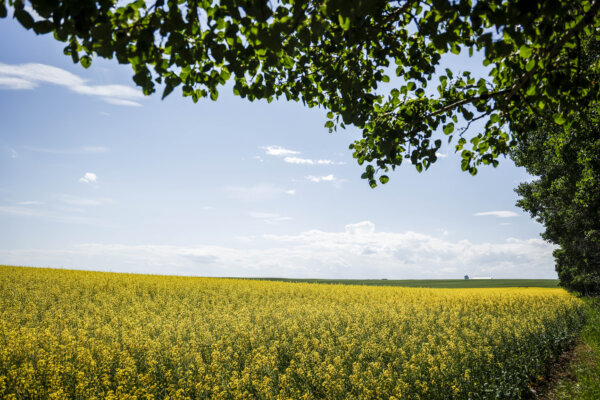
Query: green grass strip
pixel 583 373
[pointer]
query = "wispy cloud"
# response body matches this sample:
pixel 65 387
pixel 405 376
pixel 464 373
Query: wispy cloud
pixel 77 150
pixel 22 211
pixel 7 82
pixel 122 102
pixel 441 155
pixel 291 191
pixel 28 76
pixel 89 177
pixel 270 218
pixel 13 153
pixel 84 201
pixel 278 151
pixel 499 214
pixel 298 160
pixel 30 203
pixel 309 161
pixel 290 156
pixel 317 179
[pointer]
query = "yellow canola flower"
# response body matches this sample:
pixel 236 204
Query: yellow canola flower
pixel 75 334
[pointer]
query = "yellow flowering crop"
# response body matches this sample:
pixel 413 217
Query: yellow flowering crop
pixel 90 335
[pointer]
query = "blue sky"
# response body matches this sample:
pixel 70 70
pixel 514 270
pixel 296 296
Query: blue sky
pixel 93 175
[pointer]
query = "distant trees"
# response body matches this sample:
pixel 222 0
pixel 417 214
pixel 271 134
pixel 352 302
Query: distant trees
pixel 565 197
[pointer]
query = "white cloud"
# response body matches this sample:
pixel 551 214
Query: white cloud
pixel 108 91
pixel 441 155
pixel 30 203
pixel 89 177
pixel 309 161
pixel 15 83
pixel 499 214
pixel 34 73
pixel 13 153
pixel 357 251
pixel 28 76
pixel 278 151
pixel 291 191
pixel 298 160
pixel 360 228
pixel 289 156
pixel 330 162
pixel 121 102
pixel 317 179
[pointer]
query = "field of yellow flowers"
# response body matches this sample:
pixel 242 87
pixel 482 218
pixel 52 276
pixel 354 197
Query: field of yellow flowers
pixel 91 335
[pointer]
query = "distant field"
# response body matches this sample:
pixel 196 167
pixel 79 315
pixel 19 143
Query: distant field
pixel 91 335
pixel 432 283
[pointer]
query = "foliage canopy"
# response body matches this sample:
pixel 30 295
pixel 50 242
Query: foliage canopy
pixel 565 197
pixel 335 54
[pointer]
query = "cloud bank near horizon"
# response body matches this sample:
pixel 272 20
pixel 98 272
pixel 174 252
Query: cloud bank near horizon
pixel 357 252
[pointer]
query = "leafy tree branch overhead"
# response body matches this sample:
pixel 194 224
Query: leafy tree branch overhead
pixel 335 54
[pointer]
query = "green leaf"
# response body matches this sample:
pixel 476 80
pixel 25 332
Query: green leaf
pixel 43 27
pixel 449 128
pixel 530 65
pixel 384 179
pixel 344 22
pixel 85 61
pixel 168 89
pixel 3 10
pixel 558 118
pixel 24 18
pixel 525 51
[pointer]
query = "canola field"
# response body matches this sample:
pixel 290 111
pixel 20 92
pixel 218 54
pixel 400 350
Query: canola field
pixel 90 335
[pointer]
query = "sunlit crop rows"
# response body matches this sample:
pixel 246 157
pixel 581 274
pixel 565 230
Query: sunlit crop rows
pixel 87 335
